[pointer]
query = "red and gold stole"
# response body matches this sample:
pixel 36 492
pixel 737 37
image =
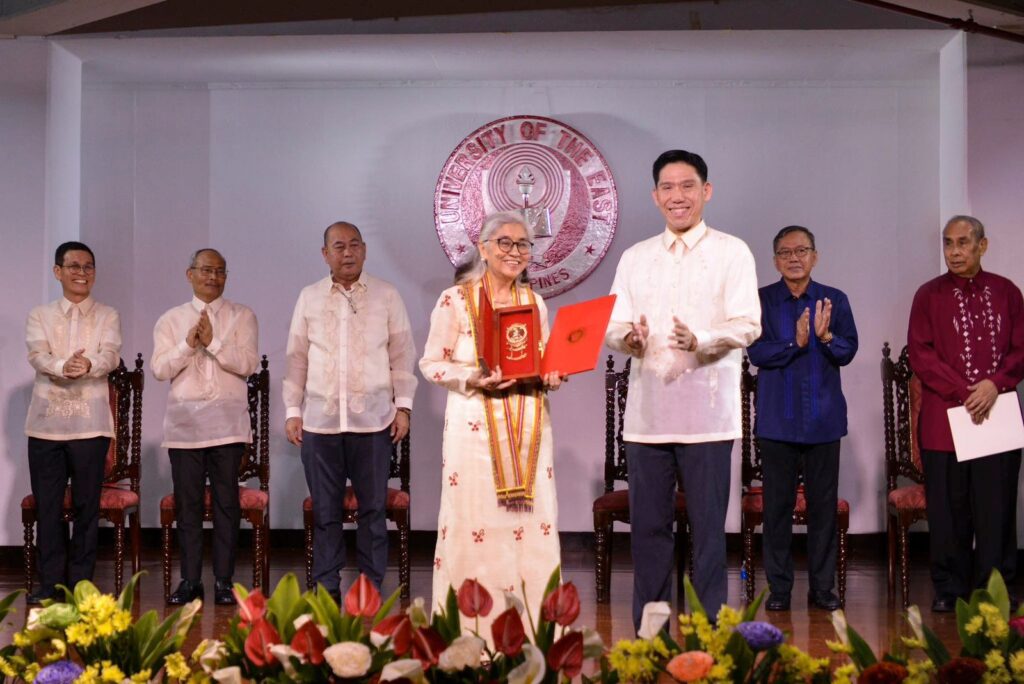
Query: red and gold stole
pixel 514 420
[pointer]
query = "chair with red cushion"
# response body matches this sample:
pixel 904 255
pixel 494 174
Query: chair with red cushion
pixel 613 505
pixel 905 505
pixel 752 495
pixel 396 510
pixel 255 501
pixel 119 497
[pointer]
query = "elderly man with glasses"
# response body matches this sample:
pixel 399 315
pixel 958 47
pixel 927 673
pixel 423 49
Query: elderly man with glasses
pixel 207 348
pixel 807 334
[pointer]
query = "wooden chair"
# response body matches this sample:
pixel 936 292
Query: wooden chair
pixel 905 505
pixel 752 495
pixel 255 501
pixel 613 505
pixel 119 496
pixel 396 510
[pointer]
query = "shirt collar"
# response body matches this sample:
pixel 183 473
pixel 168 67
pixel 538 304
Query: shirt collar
pixel 811 291
pixel 690 238
pixel 360 284
pixel 961 281
pixel 198 304
pixel 85 306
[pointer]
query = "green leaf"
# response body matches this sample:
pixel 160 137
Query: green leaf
pixel 127 598
pixel 936 650
pixel 7 603
pixel 750 612
pixel 325 612
pixel 997 590
pixel 553 581
pixel 284 605
pixel 972 643
pixel 691 597
pixel 242 592
pixel 84 589
pixel 451 614
pixel 385 607
pixel 742 656
pixel 862 655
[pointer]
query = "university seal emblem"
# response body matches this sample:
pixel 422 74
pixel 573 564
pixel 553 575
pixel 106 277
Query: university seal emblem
pixel 544 169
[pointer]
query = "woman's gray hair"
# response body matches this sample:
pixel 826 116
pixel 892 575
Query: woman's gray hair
pixel 473 268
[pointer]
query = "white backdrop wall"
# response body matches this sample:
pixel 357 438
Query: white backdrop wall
pixel 257 168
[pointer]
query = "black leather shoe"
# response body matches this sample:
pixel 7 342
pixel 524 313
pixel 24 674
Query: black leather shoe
pixel 222 594
pixel 186 592
pixel 826 600
pixel 944 604
pixel 777 602
pixel 42 594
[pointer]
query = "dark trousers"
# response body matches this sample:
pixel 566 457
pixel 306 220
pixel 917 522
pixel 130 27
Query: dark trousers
pixel 50 464
pixel 189 470
pixel 971 504
pixel 781 463
pixel 330 460
pixel 705 471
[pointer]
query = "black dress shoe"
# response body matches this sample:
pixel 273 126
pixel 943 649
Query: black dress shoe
pixel 826 600
pixel 185 593
pixel 42 594
pixel 777 602
pixel 222 593
pixel 944 604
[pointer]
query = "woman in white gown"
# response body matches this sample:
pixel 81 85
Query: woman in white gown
pixel 498 517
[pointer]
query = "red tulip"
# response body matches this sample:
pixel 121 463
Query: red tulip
pixel 1017 625
pixel 566 654
pixel 362 598
pixel 252 608
pixel 562 605
pixel 399 628
pixel 474 599
pixel 258 643
pixel 309 643
pixel 507 631
pixel 427 645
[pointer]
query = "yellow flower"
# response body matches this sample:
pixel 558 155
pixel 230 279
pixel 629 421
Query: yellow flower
pixel 844 674
pixel 176 666
pixel 91 675
pixel 7 669
pixel 30 672
pixel 21 640
pixel 1017 665
pixel 912 643
pixel 997 672
pixel 80 634
pixel 112 673
pixel 974 625
pixel 800 664
pixel 141 677
pixel 920 671
pixel 722 669
pixel 838 647
pixel 635 660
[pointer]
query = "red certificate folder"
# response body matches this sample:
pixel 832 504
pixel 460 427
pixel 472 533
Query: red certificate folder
pixel 575 342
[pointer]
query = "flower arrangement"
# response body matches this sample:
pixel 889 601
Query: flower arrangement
pixel 732 648
pixel 992 646
pixel 91 638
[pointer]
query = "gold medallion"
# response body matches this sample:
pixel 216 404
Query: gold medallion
pixel 516 335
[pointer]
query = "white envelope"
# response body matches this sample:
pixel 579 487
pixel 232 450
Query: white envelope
pixel 1003 430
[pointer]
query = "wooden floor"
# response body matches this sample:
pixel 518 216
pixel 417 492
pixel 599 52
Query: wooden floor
pixel 867 607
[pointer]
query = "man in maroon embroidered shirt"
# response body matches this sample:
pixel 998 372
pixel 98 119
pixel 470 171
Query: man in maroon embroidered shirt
pixel 966 344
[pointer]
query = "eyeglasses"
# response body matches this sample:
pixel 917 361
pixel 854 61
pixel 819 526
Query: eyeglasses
pixel 799 252
pixel 206 271
pixel 505 245
pixel 87 269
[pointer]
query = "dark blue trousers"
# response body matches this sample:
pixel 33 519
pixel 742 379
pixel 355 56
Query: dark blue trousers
pixel 330 460
pixel 704 469
pixel 50 464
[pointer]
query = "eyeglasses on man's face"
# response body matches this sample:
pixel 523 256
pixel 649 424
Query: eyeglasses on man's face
pixel 207 271
pixel 505 245
pixel 87 269
pixel 799 252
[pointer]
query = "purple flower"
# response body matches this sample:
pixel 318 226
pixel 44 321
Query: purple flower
pixel 760 636
pixel 60 672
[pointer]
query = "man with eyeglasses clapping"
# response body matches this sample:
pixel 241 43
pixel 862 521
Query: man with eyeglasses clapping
pixel 206 348
pixel 73 343
pixel 807 334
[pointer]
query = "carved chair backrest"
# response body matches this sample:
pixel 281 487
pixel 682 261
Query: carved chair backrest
pixel 125 454
pixel 256 461
pixel 616 387
pixel 901 405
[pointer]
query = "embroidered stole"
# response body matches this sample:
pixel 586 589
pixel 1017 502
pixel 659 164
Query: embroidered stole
pixel 514 422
